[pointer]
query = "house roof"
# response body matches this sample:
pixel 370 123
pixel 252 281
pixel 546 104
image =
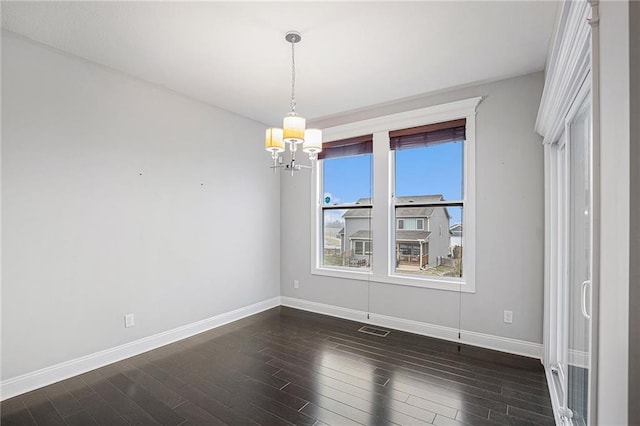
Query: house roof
pixel 401 212
pixel 416 211
pixel 412 235
pixel 359 212
pixel 363 234
pixel 456 229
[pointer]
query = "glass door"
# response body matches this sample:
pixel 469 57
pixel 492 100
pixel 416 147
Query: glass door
pixel 578 313
pixel 570 263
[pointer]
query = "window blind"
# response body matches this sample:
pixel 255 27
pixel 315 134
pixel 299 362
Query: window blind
pixel 346 147
pixel 431 134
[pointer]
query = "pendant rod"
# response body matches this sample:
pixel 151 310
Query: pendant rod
pixel 293 37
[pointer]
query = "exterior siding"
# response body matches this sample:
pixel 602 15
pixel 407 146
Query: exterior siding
pixel 351 226
pixel 439 240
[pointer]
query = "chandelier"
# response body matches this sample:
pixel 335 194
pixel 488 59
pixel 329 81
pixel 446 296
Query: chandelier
pixel 293 131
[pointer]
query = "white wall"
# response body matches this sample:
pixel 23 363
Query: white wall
pixel 613 351
pixel 509 221
pixel 119 197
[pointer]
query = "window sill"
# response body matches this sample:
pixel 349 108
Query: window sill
pixel 435 283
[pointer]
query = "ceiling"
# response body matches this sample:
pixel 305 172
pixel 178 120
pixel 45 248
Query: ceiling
pixel 352 55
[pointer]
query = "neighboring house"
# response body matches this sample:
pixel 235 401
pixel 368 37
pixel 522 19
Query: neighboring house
pixel 422 233
pixel 356 235
pixel 456 235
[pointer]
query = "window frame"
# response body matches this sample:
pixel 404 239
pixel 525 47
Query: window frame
pixel 413 220
pixel 354 245
pixel 383 222
pixel 364 243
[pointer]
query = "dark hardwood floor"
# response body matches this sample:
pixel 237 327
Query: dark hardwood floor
pixel 286 366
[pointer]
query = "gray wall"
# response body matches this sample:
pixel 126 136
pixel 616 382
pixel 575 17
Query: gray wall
pixel 634 255
pixel 86 238
pixel 510 217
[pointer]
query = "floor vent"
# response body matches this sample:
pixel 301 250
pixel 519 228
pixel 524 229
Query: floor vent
pixel 374 331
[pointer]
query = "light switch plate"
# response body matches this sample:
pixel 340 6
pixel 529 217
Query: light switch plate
pixel 129 320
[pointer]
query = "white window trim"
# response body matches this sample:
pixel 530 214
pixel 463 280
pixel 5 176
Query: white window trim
pixel 382 214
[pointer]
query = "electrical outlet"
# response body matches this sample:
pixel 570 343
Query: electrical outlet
pixel 296 284
pixel 508 317
pixel 129 321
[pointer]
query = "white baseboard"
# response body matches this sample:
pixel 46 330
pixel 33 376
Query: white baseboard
pixel 503 344
pixel 321 308
pixel 46 376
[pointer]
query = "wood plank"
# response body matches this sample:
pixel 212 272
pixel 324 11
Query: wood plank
pixel 327 416
pixel 80 418
pixel 444 396
pixel 41 409
pixel 311 379
pixel 102 412
pixel 163 393
pixel 15 412
pixel 213 407
pixel 446 421
pixel 244 401
pixel 197 415
pixel 532 416
pixel 120 402
pixel 62 400
pixel 267 398
pixel 78 388
pixel 505 419
pixel 154 407
pixel 362 399
pixel 344 408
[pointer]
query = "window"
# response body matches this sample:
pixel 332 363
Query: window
pixel 421 177
pixel 411 224
pixel 362 247
pixel 409 249
pixel 346 203
pixel 429 176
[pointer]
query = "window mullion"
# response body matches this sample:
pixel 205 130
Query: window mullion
pixel 380 218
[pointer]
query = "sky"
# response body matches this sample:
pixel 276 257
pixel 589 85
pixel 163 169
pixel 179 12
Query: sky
pixel 435 169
